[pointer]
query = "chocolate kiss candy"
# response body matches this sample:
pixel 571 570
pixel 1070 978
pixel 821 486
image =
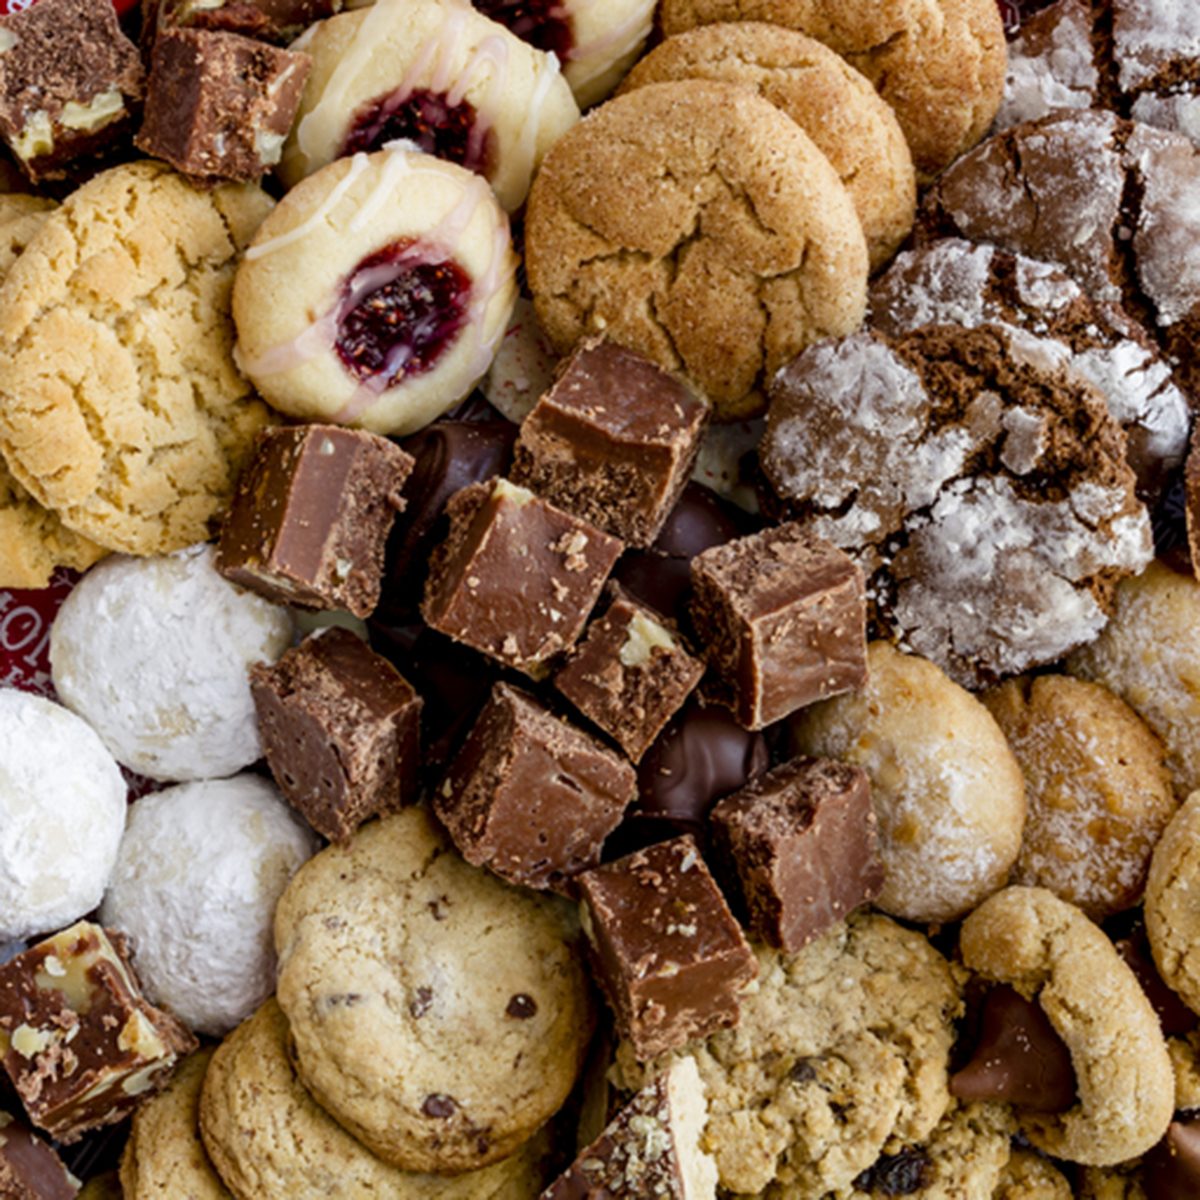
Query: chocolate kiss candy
pixel 1171 1171
pixel 1173 1015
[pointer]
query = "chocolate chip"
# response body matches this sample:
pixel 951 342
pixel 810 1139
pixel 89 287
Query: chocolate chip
pixel 522 1007
pixel 420 1004
pixel 439 1106
pixel 895 1174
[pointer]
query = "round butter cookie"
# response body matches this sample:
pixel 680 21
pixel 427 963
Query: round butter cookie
pixel 436 74
pixel 21 216
pixel 1172 920
pixel 120 404
pixel 824 95
pixel 697 224
pixel 440 1015
pixel 939 63
pixel 377 292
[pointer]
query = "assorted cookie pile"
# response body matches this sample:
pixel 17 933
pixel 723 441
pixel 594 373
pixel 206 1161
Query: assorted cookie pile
pixel 646 654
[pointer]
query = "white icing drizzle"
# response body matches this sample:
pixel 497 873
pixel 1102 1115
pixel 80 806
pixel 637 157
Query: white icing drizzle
pixel 524 153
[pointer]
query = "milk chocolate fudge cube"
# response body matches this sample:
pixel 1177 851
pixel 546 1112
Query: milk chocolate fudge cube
pixel 68 81
pixel 630 674
pixel 613 441
pixel 782 616
pixel 219 105
pixel 669 955
pixel 516 577
pixel 79 1041
pixel 29 1168
pixel 270 20
pixel 341 729
pixel 531 796
pixel 801 845
pixel 310 518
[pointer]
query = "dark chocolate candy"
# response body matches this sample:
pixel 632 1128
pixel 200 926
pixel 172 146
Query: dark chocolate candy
pixel 1019 1059
pixel 782 616
pixel 801 848
pixel 310 517
pixel 530 796
pixel 219 105
pixel 516 577
pixel 1173 1015
pixel 1171 1171
pixel 668 954
pixel 613 441
pixel 340 729
pixel 29 1168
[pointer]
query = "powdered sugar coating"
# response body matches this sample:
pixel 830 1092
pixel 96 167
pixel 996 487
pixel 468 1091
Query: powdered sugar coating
pixel 62 809
pixel 200 869
pixel 1050 66
pixel 1149 35
pixel 153 652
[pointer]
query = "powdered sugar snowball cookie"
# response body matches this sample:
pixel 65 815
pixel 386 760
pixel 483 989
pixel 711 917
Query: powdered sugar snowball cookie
pixel 153 653
pixel 62 809
pixel 200 869
pixel 434 73
pixel 947 791
pixel 983 490
pixel 377 292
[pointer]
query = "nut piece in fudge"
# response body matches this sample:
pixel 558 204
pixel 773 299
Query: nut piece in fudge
pixel 310 518
pixel 782 615
pixel 801 847
pixel 613 441
pixel 341 730
pixel 68 79
pixel 218 105
pixel 268 20
pixel 630 674
pixel 651 1148
pixel 516 577
pixel 531 796
pixel 29 1168
pixel 79 1041
pixel 670 957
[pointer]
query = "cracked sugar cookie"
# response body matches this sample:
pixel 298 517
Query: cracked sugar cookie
pixel 695 223
pixel 120 405
pixel 983 491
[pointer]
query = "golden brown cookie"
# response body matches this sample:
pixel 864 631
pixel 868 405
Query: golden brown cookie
pixel 1028 1176
pixel 940 64
pixel 120 405
pixel 834 104
pixel 21 216
pixel 1172 915
pixel 1097 785
pixel 695 223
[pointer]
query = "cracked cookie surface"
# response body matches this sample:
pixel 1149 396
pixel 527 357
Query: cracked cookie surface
pixel 120 405
pixel 695 223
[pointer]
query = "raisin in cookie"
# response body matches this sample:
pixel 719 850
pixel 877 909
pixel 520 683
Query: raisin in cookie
pixel 824 95
pixel 946 789
pixel 695 223
pixel 983 491
pixel 938 63
pixel 1172 921
pixel 440 1015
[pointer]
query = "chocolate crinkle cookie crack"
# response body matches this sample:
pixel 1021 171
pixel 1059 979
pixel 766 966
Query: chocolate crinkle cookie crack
pixel 984 493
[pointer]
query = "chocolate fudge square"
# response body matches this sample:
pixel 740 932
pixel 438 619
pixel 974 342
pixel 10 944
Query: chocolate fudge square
pixel 516 577
pixel 782 616
pixel 266 20
pixel 613 441
pixel 69 80
pixel 79 1041
pixel 530 796
pixel 219 105
pixel 630 674
pixel 670 957
pixel 311 515
pixel 801 845
pixel 341 731
pixel 29 1167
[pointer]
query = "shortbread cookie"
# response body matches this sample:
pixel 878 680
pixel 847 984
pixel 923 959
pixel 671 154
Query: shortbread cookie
pixel 270 1139
pixel 440 1015
pixel 120 405
pixel 1097 785
pixel 938 63
pixel 946 788
pixel 1049 951
pixel 1149 655
pixel 695 223
pixel 376 293
pixel 164 1158
pixel 1172 919
pixel 841 1051
pixel 434 73
pixel 983 491
pixel 21 217
pixel 824 95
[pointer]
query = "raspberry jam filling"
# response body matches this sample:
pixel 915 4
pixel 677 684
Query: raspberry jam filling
pixel 452 132
pixel 541 23
pixel 401 309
